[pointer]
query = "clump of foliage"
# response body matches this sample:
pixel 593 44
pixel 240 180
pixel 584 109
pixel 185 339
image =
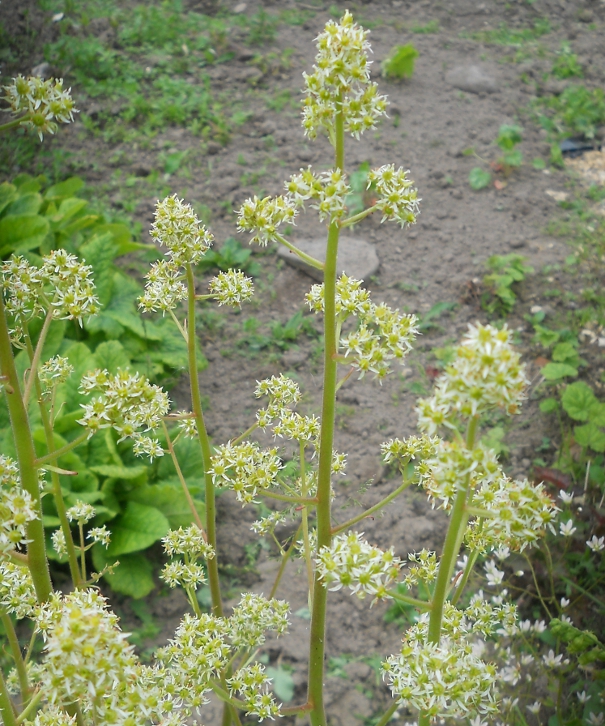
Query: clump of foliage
pixel 506 270
pixel 400 62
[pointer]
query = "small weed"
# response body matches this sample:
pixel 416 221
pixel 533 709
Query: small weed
pixel 508 138
pixel 428 321
pixel 479 178
pixel 566 64
pixel 431 27
pixel 506 270
pixel 231 255
pixel 400 62
pixel 577 111
pixel 515 37
pixel 262 28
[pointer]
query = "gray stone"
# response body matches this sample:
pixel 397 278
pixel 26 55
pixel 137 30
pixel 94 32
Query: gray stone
pixel 356 257
pixel 471 79
pixel 42 70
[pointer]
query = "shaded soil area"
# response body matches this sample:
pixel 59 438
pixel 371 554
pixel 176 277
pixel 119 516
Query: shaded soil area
pixel 431 126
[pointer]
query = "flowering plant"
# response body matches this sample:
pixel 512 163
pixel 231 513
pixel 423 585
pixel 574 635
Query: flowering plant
pixel 88 673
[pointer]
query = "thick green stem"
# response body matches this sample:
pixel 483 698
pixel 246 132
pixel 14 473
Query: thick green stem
pixel 305 522
pixel 13 124
pixel 324 516
pixel 13 641
pixel 388 715
pixel 196 405
pixel 6 707
pixel 26 456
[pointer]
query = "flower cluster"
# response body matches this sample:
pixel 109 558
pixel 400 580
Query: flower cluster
pixel 245 468
pixel 183 574
pixel 485 374
pixel 294 426
pixel 40 103
pixel 444 680
pixel 128 402
pixel 254 616
pixel 516 514
pixel 17 508
pixel 351 562
pixel 81 512
pixel 415 448
pixel 423 567
pixel 22 284
pixel 282 392
pixel 54 372
pixel 177 227
pixel 17 593
pixel 340 82
pixel 232 288
pixel 187 541
pixel 329 189
pixel 164 288
pixel 265 216
pixel 351 298
pixel 397 197
pixel 267 524
pixel 252 685
pixel 73 289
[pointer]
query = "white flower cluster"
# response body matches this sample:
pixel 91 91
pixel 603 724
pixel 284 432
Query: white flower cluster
pixel 329 189
pixel 382 334
pixel 164 288
pixel 294 426
pixel 267 524
pixel 232 288
pixel 17 508
pixel 88 659
pixel 445 680
pixel 245 468
pixel 17 594
pixel 81 512
pixel 52 716
pixel 351 562
pixel 519 513
pixel 54 371
pixel 486 374
pixel 191 543
pixel 340 82
pixel 423 567
pixel 100 535
pixel 252 685
pixel 397 197
pixel 282 391
pixel 265 216
pixel 177 227
pixel 254 616
pixel 40 103
pixel 22 283
pixel 128 402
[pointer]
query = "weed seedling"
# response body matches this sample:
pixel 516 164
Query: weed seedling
pixel 400 62
pixel 506 270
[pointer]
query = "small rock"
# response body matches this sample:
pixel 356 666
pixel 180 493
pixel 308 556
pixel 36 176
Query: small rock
pixel 586 16
pixel 239 8
pixel 356 257
pixel 518 243
pixel 213 147
pixel 305 154
pixel 471 79
pixel 42 70
pixel 245 54
pixel 267 128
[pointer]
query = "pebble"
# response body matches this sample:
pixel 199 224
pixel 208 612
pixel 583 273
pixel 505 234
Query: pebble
pixel 42 70
pixel 471 79
pixel 356 257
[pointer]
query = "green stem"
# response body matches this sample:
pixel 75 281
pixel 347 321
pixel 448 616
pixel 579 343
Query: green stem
pixel 6 706
pixel 470 563
pixel 179 473
pixel 245 435
pixel 12 124
pixel 324 514
pixel 35 361
pixel 422 604
pixel 72 556
pixel 196 405
pixel 388 715
pixel 305 521
pixel 26 456
pixel 13 641
pixel 358 217
pixel 372 510
pixel 303 256
pixel 31 706
pixel 54 455
pixel 287 498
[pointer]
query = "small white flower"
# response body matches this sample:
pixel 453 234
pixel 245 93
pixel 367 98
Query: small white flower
pixel 534 707
pixel 567 528
pixel 493 574
pixel 564 602
pixel 539 626
pixel 551 660
pixel 583 697
pixel 596 719
pixel 596 544
pixel 565 497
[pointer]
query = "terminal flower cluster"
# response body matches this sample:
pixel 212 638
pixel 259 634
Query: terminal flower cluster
pixel 486 374
pixel 245 468
pixel 254 616
pixel 351 562
pixel 282 391
pixel 232 288
pixel 265 216
pixel 397 197
pixel 329 189
pixel 17 508
pixel 54 371
pixel 423 567
pixel 340 82
pixel 40 103
pixel 417 449
pixel 17 595
pixel 177 227
pixel 252 684
pixel 128 402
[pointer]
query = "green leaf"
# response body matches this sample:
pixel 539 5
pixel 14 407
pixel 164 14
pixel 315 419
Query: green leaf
pixel 22 232
pixel 7 193
pixel 596 415
pixel 67 209
pixel 401 61
pixel 67 188
pixel 590 436
pixel 513 158
pixel 132 577
pixel 565 353
pixel 137 528
pixel 548 405
pixel 577 399
pixel 119 472
pixel 556 371
pixel 170 499
pixel 283 683
pixel 29 203
pixel 479 178
pixel 100 252
pixel 111 355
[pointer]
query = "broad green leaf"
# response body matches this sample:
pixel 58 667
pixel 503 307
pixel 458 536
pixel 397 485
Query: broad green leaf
pixel 100 252
pixel 590 436
pixel 565 353
pixel 557 371
pixel 137 528
pixel 479 178
pixel 29 203
pixel 170 499
pixel 26 183
pixel 77 224
pixel 67 188
pixel 596 415
pixel 577 399
pixel 7 193
pixel 283 683
pixel 119 472
pixel 111 355
pixel 23 232
pixel 548 405
pixel 67 209
pixel 189 455
pixel 132 577
pixel 513 158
